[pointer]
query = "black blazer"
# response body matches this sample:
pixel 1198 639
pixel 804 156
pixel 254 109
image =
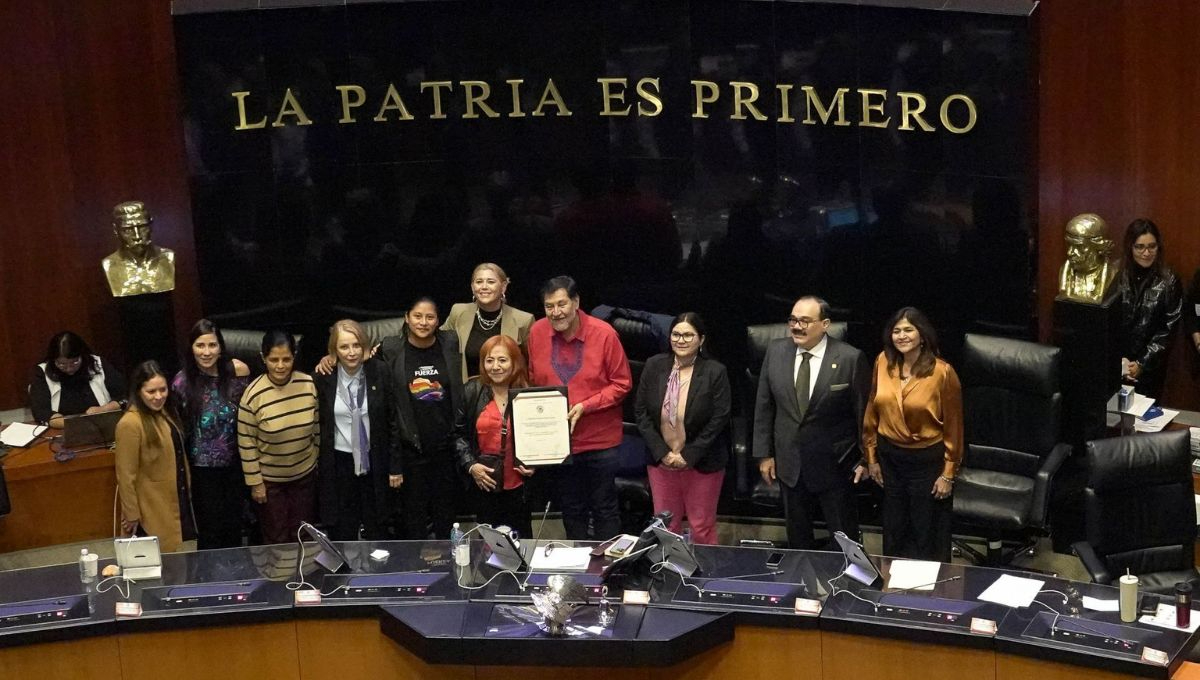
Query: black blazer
pixel 394 352
pixel 824 447
pixel 705 420
pixel 386 454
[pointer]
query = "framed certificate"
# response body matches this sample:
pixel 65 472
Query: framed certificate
pixel 541 433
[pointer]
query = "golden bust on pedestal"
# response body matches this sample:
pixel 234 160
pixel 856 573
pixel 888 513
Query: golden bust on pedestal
pixel 138 267
pixel 1088 272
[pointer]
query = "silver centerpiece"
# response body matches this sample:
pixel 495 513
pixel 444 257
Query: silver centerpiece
pixel 563 596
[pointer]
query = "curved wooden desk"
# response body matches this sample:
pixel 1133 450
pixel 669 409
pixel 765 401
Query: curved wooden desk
pixel 55 502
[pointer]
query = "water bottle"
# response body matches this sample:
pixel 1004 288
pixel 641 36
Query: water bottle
pixel 87 565
pixel 460 546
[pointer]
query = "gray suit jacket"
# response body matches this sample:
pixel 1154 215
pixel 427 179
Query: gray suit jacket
pixel 821 449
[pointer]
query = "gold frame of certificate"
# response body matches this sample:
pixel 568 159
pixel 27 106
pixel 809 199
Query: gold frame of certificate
pixel 540 430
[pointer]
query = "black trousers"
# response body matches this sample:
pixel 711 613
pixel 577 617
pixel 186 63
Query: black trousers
pixel 357 506
pixel 915 524
pixel 219 497
pixel 428 500
pixel 587 489
pixel 837 504
pixel 505 507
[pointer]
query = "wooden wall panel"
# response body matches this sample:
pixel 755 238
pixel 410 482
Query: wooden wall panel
pixel 92 120
pixel 1120 83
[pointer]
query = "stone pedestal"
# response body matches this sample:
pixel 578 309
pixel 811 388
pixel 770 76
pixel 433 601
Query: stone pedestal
pixel 148 330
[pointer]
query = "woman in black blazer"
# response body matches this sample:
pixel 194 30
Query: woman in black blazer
pixel 683 405
pixel 356 400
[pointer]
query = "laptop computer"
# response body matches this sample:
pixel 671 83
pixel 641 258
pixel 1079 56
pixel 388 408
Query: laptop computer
pixel 95 429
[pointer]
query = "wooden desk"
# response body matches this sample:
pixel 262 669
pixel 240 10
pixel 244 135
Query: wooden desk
pixel 55 502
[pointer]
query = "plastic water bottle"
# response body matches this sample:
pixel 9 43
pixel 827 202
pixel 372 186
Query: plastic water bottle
pixel 460 546
pixel 87 566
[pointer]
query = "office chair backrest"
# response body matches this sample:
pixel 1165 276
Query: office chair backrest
pixel 1012 403
pixel 1139 506
pixel 246 345
pixel 378 329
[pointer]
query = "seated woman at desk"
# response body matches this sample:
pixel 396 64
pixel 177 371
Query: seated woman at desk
pixel 72 381
pixel 485 448
pixel 152 470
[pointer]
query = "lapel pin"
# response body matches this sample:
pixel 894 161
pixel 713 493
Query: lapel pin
pixel 833 365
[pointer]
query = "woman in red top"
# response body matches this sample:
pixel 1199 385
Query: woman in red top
pixel 495 472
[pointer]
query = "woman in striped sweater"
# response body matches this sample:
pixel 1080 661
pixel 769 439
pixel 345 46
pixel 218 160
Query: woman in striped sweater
pixel 278 438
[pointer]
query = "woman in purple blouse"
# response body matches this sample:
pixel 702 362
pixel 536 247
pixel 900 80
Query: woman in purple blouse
pixel 208 390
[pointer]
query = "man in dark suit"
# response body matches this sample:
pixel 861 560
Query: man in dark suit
pixel 812 392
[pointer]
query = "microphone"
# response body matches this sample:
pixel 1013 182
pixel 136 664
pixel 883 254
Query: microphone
pixel 924 585
pixel 533 546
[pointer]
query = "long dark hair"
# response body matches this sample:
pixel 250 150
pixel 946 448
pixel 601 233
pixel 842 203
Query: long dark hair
pixel 927 359
pixel 195 377
pixel 142 374
pixel 1135 230
pixel 68 345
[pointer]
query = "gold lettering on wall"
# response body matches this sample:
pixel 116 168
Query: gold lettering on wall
pixel 972 114
pixel 515 86
pixel 785 103
pixel 242 123
pixel 608 96
pixel 392 102
pixel 290 107
pixel 436 86
pixel 551 95
pixel 360 96
pixel 911 106
pixel 744 96
pixel 813 101
pixel 714 93
pixel 477 99
pixel 868 108
pixel 653 98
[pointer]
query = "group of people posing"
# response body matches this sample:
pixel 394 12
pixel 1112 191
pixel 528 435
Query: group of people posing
pixel 419 418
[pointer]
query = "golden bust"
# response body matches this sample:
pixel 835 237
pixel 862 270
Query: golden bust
pixel 138 267
pixel 1088 273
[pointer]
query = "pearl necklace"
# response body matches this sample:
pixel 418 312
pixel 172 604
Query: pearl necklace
pixel 487 324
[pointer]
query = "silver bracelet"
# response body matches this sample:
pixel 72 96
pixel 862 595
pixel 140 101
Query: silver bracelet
pixel 944 478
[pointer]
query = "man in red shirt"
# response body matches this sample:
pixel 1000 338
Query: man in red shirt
pixel 571 348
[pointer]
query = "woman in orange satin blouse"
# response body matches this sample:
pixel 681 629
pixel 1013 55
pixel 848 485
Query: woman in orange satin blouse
pixel 913 438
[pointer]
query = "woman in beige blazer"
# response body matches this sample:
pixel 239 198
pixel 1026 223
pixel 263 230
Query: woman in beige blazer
pixel 485 316
pixel 152 471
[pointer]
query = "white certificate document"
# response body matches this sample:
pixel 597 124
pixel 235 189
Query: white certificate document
pixel 541 433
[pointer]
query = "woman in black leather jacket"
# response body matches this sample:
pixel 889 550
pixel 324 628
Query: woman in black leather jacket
pixel 484 447
pixel 1151 303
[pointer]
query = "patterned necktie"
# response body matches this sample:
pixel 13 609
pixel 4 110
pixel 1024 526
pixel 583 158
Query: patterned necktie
pixel 802 376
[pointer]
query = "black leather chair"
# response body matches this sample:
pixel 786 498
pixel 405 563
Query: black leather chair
pixel 1139 511
pixel 378 329
pixel 749 485
pixel 1012 408
pixel 246 344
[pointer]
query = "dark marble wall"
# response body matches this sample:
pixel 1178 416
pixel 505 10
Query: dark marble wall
pixel 734 218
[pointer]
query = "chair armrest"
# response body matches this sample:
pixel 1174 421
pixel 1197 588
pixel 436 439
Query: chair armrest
pixel 739 446
pixel 1092 562
pixel 1041 484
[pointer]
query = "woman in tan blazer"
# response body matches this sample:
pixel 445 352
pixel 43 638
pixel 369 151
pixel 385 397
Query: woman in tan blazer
pixel 152 471
pixel 486 316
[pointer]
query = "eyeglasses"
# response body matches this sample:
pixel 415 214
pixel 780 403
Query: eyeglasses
pixel 802 321
pixel 66 364
pixel 1145 248
pixel 682 337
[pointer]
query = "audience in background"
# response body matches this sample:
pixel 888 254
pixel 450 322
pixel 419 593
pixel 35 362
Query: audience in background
pixel 71 380
pixel 683 407
pixel 360 462
pixel 1151 303
pixel 151 466
pixel 278 438
pixel 207 391
pixel 486 316
pixel 913 436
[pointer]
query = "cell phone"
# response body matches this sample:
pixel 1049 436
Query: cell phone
pixel 620 546
pixel 774 559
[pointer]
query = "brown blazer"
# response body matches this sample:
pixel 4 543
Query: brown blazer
pixel 146 479
pixel 514 323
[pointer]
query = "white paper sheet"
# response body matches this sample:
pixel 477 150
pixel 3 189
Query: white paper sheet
pixel 913 575
pixel 561 559
pixel 20 434
pixel 1165 618
pixel 1098 605
pixel 1012 591
pixel 1140 403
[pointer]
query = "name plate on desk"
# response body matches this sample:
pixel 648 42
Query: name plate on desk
pixel 129 610
pixel 807 607
pixel 635 597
